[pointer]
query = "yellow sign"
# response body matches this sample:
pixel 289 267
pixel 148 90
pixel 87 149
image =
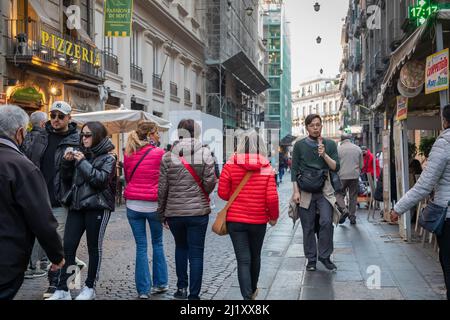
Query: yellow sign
pixel 402 108
pixel 70 49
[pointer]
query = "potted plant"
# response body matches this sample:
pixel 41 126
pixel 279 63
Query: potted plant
pixel 426 143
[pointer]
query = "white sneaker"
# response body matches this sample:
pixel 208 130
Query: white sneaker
pixel 80 264
pixel 60 295
pixel 86 294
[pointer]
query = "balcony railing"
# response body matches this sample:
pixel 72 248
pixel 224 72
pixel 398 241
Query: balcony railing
pixel 136 73
pixel 157 82
pixel 111 63
pixel 187 95
pixel 29 41
pixel 173 89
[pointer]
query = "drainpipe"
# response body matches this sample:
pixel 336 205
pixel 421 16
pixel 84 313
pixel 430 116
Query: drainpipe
pixel 443 95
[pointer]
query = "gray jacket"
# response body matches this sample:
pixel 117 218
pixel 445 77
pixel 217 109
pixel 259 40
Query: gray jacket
pixel 435 176
pixel 178 193
pixel 350 156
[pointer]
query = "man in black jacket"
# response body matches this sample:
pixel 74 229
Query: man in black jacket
pixel 25 210
pixel 46 152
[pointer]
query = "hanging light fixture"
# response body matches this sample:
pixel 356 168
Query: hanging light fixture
pixel 316 7
pixel 319 39
pixel 249 11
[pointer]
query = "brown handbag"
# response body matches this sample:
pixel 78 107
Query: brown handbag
pixel 220 224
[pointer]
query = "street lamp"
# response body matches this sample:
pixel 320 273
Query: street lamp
pixel 319 39
pixel 249 11
pixel 264 42
pixel 316 7
pixel 321 70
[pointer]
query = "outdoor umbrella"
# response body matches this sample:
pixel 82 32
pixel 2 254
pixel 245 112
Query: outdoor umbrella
pixel 120 120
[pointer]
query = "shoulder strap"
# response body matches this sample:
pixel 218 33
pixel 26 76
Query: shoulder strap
pixel 195 176
pixel 238 189
pixel 139 162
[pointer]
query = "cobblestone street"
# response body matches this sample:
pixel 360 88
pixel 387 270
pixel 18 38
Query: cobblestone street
pixel 408 270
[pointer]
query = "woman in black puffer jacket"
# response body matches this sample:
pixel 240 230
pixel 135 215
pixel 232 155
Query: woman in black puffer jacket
pixel 89 175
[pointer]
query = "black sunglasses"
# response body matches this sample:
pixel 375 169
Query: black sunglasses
pixel 60 116
pixel 87 135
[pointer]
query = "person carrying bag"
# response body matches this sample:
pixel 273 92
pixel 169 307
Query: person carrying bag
pixel 247 183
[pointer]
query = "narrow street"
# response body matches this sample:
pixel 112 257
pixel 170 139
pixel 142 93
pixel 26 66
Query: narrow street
pixel 408 270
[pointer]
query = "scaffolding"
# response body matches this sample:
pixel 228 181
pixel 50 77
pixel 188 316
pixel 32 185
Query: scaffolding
pixel 229 31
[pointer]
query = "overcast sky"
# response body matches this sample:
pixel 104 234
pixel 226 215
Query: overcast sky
pixel 306 24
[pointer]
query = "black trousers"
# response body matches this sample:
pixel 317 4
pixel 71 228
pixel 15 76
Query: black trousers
pixel 247 243
pixel 94 223
pixel 444 254
pixel 10 289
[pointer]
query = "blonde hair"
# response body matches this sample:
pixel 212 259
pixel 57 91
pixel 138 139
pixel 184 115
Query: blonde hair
pixel 251 142
pixel 138 138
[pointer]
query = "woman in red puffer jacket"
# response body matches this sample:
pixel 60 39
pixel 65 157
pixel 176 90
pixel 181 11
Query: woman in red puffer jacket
pixel 255 206
pixel 141 162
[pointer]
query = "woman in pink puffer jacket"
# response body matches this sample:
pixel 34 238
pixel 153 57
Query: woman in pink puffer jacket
pixel 141 163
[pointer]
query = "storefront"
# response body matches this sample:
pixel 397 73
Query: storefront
pixel 44 64
pixel 412 114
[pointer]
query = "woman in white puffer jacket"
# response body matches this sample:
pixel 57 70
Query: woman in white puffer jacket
pixel 436 176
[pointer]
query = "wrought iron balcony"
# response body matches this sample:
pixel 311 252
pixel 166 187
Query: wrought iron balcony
pixel 136 73
pixel 33 43
pixel 157 81
pixel 173 89
pixel 111 63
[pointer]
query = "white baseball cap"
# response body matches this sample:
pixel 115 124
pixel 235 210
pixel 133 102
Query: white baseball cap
pixel 61 106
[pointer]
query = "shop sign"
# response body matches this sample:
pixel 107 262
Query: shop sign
pixel 117 18
pixel 68 48
pixel 436 72
pixel 27 94
pixel 402 108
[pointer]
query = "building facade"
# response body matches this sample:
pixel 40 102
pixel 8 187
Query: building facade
pixel 235 56
pixel 160 68
pixel 277 34
pixel 320 96
pixel 43 58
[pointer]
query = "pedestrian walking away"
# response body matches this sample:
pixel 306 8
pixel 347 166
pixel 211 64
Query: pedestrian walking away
pixel 24 212
pixel 436 176
pixel 186 179
pixel 255 206
pixel 46 151
pixel 142 161
pixel 89 179
pixel 351 162
pixel 313 158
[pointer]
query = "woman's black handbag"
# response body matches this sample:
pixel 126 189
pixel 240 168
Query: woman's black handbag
pixel 335 181
pixel 312 180
pixel 432 218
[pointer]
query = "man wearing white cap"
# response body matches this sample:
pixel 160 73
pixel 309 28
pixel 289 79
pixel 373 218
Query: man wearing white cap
pixel 46 152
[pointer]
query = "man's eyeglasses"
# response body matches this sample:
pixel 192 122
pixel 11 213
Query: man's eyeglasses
pixel 85 135
pixel 60 116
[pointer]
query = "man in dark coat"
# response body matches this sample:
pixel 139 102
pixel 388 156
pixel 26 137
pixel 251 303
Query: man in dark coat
pixel 25 211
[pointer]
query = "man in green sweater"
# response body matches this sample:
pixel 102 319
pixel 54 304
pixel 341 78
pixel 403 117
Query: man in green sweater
pixel 315 153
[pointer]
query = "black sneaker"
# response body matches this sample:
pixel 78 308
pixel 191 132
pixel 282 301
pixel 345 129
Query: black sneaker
pixel 328 264
pixel 311 266
pixel 352 220
pixel 181 294
pixel 50 291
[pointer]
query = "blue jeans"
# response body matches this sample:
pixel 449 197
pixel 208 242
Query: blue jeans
pixel 137 222
pixel 189 234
